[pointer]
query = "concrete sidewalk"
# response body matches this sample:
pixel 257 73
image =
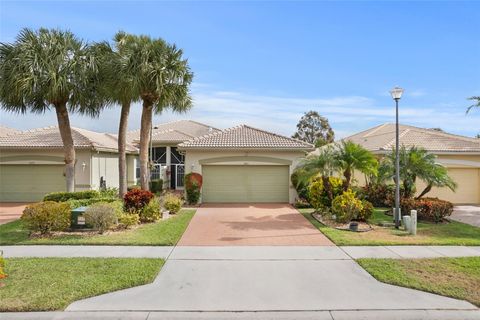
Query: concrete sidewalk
pixel 243 252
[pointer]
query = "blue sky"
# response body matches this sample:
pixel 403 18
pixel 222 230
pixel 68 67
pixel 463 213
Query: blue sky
pixel 266 63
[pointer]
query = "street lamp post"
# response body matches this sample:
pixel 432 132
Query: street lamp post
pixel 396 95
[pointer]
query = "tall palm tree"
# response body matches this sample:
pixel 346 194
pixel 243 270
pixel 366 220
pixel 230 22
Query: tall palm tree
pixel 417 163
pixel 118 87
pixel 350 157
pixel 46 69
pixel 322 164
pixel 476 103
pixel 162 77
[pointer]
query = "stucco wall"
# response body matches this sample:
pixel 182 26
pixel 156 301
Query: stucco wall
pixel 194 158
pixel 52 156
pixel 104 165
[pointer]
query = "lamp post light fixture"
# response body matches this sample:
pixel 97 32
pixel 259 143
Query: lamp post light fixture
pixel 396 95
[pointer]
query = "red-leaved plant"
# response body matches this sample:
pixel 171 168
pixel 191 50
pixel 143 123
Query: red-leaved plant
pixel 136 199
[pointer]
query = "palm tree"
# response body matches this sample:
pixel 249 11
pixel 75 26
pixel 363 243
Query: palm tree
pixel 418 163
pixel 119 89
pixel 162 77
pixel 50 68
pixel 350 157
pixel 322 164
pixel 476 103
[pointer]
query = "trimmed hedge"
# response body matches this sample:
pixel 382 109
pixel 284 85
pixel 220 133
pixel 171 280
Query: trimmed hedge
pixel 429 209
pixel 48 216
pixel 65 196
pixel 87 202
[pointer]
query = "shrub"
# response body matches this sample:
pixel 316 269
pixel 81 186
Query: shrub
pixel 318 197
pixel 300 186
pixel 378 194
pixel 172 203
pixel 193 193
pixel 366 212
pixel 127 220
pixel 156 186
pixel 87 202
pixel 433 209
pixel 151 212
pixel 346 207
pixel 101 216
pixel 47 216
pixel 136 199
pixel 109 193
pixel 65 196
pixel 2 267
pixel 301 204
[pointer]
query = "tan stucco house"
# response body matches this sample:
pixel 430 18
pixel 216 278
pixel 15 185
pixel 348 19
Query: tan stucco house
pixel 32 162
pixel 459 154
pixel 244 164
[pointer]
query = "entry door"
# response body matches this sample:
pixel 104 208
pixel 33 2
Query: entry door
pixel 246 183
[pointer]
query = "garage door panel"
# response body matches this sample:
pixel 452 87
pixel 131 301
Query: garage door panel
pixel 245 183
pixel 29 183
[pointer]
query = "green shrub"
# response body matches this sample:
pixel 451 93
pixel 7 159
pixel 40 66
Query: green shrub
pixel 151 212
pixel 2 267
pixel 47 216
pixel 65 196
pixel 433 209
pixel 109 193
pixel 318 197
pixel 172 203
pixel 366 212
pixel 346 207
pixel 127 220
pixel 193 193
pixel 87 202
pixel 378 194
pixel 301 204
pixel 156 186
pixel 300 186
pixel 101 216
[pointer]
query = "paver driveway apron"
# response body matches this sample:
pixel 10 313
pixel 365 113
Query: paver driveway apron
pixel 252 225
pixel 250 258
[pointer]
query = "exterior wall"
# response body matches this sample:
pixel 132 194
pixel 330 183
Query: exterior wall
pixel 53 157
pixel 131 168
pixel 195 158
pixel 104 165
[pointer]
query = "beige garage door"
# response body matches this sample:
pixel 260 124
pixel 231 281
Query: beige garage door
pixel 245 183
pixel 19 183
pixel 468 190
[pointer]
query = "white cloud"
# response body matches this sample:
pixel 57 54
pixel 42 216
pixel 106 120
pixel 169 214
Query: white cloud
pixel 223 109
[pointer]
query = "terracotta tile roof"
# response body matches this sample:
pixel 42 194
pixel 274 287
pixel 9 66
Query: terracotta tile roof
pixel 382 138
pixel 174 132
pixel 5 131
pixel 49 137
pixel 245 137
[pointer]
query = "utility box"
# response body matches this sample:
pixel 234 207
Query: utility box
pixel 78 218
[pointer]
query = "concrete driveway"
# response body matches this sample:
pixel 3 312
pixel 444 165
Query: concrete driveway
pixel 10 211
pixel 467 214
pixel 252 225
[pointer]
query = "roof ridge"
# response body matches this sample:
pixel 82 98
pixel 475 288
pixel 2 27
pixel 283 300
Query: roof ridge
pixel 388 144
pixel 278 135
pixel 78 130
pixel 211 134
pixel 376 129
pixel 366 130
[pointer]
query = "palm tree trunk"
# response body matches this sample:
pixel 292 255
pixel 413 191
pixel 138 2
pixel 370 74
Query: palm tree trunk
pixel 145 128
pixel 68 146
pixel 327 186
pixel 122 156
pixel 425 191
pixel 348 176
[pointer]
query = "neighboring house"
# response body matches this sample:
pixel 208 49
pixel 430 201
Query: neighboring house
pixel 32 162
pixel 459 154
pixel 168 162
pixel 244 164
pixel 5 131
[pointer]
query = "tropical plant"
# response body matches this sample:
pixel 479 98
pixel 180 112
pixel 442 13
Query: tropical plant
pixel 162 77
pixel 346 207
pixel 476 103
pixel 314 129
pixel 417 163
pixel 320 163
pixel 46 69
pixel 318 197
pixel 349 157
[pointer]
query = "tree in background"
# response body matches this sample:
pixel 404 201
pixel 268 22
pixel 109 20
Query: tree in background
pixel 46 69
pixel 476 103
pixel 314 129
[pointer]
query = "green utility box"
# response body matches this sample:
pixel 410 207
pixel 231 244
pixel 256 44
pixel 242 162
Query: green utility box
pixel 78 218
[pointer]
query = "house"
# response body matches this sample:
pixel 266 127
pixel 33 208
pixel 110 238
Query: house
pixel 244 164
pixel 32 163
pixel 459 154
pixel 5 131
pixel 168 162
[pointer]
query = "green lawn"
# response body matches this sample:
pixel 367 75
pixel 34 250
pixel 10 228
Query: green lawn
pixel 40 284
pixel 453 277
pixel 452 233
pixel 162 233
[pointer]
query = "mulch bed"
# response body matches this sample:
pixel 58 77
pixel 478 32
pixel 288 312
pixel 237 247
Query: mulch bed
pixel 362 226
